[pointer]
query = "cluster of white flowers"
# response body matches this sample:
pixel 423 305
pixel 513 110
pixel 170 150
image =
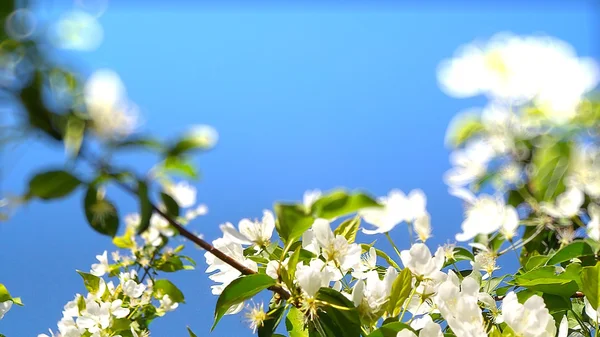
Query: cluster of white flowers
pixel 109 309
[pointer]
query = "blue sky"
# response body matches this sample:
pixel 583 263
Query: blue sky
pixel 303 96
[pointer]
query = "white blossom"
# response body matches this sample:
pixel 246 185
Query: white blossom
pixel 251 232
pixel 593 226
pixel 313 277
pixel 183 193
pixel 133 289
pixel 485 215
pixel 310 197
pixel 100 268
pixel 77 30
pixel 5 307
pixel 422 226
pixel 167 304
pixel 370 295
pixel 335 248
pixel 420 262
pixel 469 164
pixel 397 207
pixel 567 205
pixel 226 273
pixel 530 319
pixel 108 106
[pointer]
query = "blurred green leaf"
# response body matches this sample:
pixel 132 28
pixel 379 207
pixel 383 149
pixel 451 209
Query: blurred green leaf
pixel 192 334
pixel 339 203
pixel 165 287
pixel 551 160
pixel 138 143
pixel 590 277
pixel 463 130
pixel 179 166
pixel 145 207
pixel 170 204
pixel 292 221
pixel 100 213
pixel 52 185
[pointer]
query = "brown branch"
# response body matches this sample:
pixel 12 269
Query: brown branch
pixel 190 236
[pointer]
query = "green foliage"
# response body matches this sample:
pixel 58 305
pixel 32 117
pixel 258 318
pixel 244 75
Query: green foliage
pixel 571 251
pixel 348 229
pixel 340 203
pixel 294 323
pixel 381 254
pixel 100 213
pixel 337 315
pixel 551 160
pixel 390 329
pixel 400 291
pixel 590 277
pixel 172 208
pixel 91 282
pixel 274 317
pixel 190 332
pixel 239 290
pixel 166 287
pixel 292 221
pixel 145 207
pixel 464 130
pixel 52 185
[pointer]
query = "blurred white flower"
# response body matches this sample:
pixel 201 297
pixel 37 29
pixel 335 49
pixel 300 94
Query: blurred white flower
pixel 422 226
pixel 203 136
pixel 108 106
pixel 567 205
pixel 484 215
pixel 563 328
pixel 397 207
pixel 183 193
pixel 593 226
pixel 517 69
pixel 310 197
pixel 251 232
pixel 589 310
pixel 5 307
pixel 469 164
pixel 77 30
pixel 368 262
pixel 167 304
pixel 420 262
pixel 530 319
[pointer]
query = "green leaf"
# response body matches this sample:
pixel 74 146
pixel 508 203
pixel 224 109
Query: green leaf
pixel 551 160
pixel 339 203
pixel 125 241
pixel 400 291
pixel 188 144
pixel 179 166
pixel 294 323
pixel 337 314
pixel 192 334
pixel 573 250
pixel 274 316
pixel 91 282
pixel 100 213
pixel 171 264
pixel 348 229
pixel 4 294
pixel 170 204
pixel 365 248
pixel 464 129
pixel 590 277
pixel 52 185
pixel 292 221
pixel 240 290
pixel 536 261
pixel 74 132
pixel 556 303
pixel 546 280
pixel 291 267
pixel 139 142
pixel 165 287
pixel 145 207
pixel 390 330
